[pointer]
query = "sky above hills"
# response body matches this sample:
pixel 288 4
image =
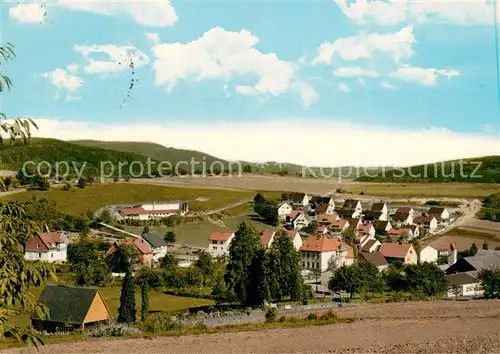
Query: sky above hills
pixel 318 83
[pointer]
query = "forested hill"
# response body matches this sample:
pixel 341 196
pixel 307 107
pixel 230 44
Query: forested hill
pixel 474 170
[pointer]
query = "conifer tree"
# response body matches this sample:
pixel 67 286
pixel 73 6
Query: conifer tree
pixel 127 311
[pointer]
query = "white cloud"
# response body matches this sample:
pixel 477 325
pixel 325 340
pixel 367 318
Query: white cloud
pixel 344 87
pixel 306 92
pixel 387 85
pixel 157 13
pixel 423 76
pixel 361 82
pixel 246 90
pixel 73 68
pixel 354 71
pixel 120 58
pixel 394 12
pixel 153 37
pixel 64 82
pixel 398 45
pixel 28 13
pixel 221 54
pixel 414 146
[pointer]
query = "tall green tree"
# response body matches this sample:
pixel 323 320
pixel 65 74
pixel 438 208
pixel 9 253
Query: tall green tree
pixel 282 261
pixel 16 275
pixel 147 279
pixel 127 310
pixel 204 264
pixel 349 237
pixel 241 253
pixel 169 237
pixel 490 282
pixel 257 287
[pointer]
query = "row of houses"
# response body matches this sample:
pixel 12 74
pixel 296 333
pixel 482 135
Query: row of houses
pixel 52 247
pixel 152 211
pixel 298 213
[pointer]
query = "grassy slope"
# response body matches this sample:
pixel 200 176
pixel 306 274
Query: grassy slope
pixel 155 151
pixel 447 171
pixel 13 156
pixel 436 190
pixel 158 301
pixel 78 201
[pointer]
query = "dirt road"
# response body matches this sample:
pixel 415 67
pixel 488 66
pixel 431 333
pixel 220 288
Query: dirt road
pixel 427 327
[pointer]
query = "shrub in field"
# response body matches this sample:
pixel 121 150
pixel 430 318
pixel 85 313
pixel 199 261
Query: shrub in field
pixel 311 317
pixel 271 314
pixel 114 330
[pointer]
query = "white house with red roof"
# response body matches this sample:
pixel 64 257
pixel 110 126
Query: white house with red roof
pixel 323 252
pixel 219 242
pixel 48 247
pixel 297 219
pixel 267 237
pixel 148 211
pixel 296 239
pixel 399 252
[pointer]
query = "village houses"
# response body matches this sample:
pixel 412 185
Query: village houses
pixel 219 243
pixel 50 247
pixel 399 253
pixel 297 219
pixel 428 223
pixel 441 214
pixel 428 254
pixel 295 237
pixel 157 245
pixel 267 237
pixel 144 253
pixel 323 253
pixel 299 199
pixel 284 209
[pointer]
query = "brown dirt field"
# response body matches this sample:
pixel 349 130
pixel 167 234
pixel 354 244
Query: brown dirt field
pixel 462 242
pixel 477 225
pixel 424 327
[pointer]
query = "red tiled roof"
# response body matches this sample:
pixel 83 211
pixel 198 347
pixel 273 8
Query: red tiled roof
pixel 404 210
pixel 339 224
pixel 51 238
pixel 395 250
pixel 327 218
pixel 295 213
pixel 368 245
pixel 220 236
pixel 324 243
pixel 423 219
pixel 139 243
pixel 266 237
pixel 377 206
pixel 375 257
pixel 292 233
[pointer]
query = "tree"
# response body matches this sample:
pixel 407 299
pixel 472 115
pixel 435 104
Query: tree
pixel 257 288
pixel 147 279
pixel 205 266
pixel 346 278
pixel 16 275
pixel 424 279
pixel 282 263
pixel 146 229
pixel 169 237
pixel 124 257
pixel 259 198
pixel 485 245
pixel 105 217
pixel 82 183
pixel 349 237
pixel 247 169
pixel 310 228
pixel 169 261
pixel 127 311
pixel 241 254
pixel 473 249
pixel 490 282
pixel 86 260
pixel 267 211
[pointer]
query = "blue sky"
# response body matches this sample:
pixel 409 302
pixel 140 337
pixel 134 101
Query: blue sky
pixel 394 66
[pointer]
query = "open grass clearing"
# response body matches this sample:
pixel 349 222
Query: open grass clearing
pixel 158 302
pixel 197 233
pixel 441 190
pixel 78 201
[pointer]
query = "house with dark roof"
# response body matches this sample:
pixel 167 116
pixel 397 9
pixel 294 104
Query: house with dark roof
pixel 402 218
pixel 347 213
pixel 440 213
pixel 376 258
pixel 428 223
pixel 295 237
pixel 371 245
pixel 299 199
pixel 354 205
pixel 316 200
pixel 484 259
pixel 464 285
pixel 48 247
pixel 380 207
pixel 157 244
pixel 324 209
pixel 382 226
pixel 70 306
pixel 374 216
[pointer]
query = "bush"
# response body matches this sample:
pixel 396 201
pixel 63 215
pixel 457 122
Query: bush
pixel 271 314
pixel 114 330
pixel 160 323
pixel 329 316
pixel 311 317
pixel 396 297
